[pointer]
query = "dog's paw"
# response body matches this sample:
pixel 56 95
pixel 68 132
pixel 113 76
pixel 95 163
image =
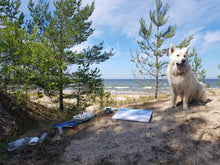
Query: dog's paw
pixel 185 108
pixel 173 106
pixel 170 107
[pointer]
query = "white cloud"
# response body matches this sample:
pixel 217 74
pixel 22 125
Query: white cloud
pixel 211 37
pixel 192 17
pixel 193 12
pixel 119 15
pixel 197 38
pixel 80 47
pixel 122 16
pixel 97 33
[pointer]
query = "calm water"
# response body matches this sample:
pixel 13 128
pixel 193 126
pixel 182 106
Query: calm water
pixel 142 86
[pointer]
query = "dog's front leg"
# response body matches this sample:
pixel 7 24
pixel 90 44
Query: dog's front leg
pixel 174 96
pixel 185 103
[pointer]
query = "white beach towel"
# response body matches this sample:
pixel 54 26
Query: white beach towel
pixel 133 115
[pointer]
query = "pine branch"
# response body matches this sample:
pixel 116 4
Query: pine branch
pixel 185 42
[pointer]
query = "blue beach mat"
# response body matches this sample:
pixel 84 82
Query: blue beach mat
pixel 133 115
pixel 66 124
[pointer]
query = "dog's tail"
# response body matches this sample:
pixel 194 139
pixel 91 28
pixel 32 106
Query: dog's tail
pixel 202 94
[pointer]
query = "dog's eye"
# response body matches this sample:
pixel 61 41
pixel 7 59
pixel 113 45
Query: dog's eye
pixel 184 55
pixel 177 55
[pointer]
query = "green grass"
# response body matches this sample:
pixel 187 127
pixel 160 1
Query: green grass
pixel 212 92
pixel 108 100
pixel 2 146
pixel 3 156
pixel 184 120
pixel 155 161
pixel 131 100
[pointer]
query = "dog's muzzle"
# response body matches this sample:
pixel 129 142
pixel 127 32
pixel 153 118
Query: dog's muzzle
pixel 182 63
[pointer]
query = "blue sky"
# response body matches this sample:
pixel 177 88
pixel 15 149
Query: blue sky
pixel 116 22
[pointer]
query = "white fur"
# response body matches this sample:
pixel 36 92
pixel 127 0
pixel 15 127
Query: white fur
pixel 182 80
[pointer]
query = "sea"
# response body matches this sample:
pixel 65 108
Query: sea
pixel 133 86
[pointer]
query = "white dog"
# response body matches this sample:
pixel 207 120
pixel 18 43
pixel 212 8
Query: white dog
pixel 182 80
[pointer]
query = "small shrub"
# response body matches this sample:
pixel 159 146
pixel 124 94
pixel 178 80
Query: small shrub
pixel 40 95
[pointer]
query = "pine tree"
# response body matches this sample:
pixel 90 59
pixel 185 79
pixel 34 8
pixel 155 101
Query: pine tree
pixel 40 54
pixel 69 27
pixel 10 9
pixel 46 65
pixel 21 53
pixel 40 14
pixel 196 64
pixel 11 42
pixel 86 83
pixel 148 61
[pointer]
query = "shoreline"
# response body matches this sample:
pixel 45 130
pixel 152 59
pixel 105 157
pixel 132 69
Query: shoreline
pixel 115 98
pixel 125 92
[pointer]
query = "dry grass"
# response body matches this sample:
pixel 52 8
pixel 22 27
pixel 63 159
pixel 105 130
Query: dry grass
pixel 113 100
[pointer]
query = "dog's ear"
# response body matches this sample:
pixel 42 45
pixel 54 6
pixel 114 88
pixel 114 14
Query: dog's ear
pixel 187 49
pixel 172 49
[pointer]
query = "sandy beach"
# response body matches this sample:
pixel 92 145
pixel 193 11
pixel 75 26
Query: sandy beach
pixel 173 136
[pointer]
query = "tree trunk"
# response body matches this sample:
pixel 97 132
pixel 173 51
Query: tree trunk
pixel 78 98
pixel 61 90
pixel 61 99
pixel 156 65
pixel 5 89
pixel 26 93
pixel 156 85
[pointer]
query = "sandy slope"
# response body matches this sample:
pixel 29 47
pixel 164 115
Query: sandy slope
pixel 174 136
